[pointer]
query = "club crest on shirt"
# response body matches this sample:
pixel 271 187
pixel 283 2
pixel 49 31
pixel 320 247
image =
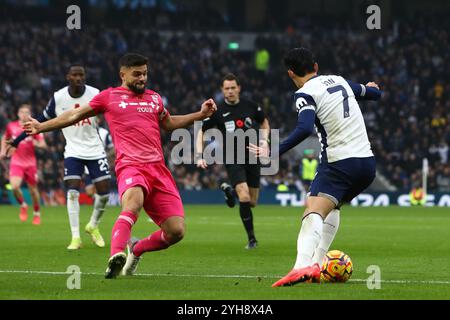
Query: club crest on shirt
pixel 155 98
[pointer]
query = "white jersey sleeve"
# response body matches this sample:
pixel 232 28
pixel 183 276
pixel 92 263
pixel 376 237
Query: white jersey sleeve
pixel 339 121
pixel 82 138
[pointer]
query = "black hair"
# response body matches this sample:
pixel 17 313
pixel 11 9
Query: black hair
pixel 132 60
pixel 75 64
pixel 300 60
pixel 230 77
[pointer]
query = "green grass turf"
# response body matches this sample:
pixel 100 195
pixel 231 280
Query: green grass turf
pixel 410 245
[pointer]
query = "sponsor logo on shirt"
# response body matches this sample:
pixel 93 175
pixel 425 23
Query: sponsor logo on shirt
pixel 142 107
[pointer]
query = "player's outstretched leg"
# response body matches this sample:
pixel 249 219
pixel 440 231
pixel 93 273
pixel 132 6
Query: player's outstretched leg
pixel 73 209
pixel 230 198
pixel 100 202
pixel 330 228
pixel 171 232
pixel 308 240
pixel 120 235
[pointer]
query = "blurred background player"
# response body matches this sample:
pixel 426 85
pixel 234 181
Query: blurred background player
pixel 23 164
pixel 347 164
pixel 308 168
pixel 84 148
pixel 235 113
pixel 135 116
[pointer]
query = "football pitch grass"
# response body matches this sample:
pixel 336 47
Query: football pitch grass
pixel 409 245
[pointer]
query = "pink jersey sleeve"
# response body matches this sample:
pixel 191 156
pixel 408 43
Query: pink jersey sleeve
pixel 100 102
pixel 38 137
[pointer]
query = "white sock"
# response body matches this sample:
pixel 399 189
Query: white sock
pixel 330 227
pixel 73 208
pixel 36 214
pixel 308 239
pixel 100 202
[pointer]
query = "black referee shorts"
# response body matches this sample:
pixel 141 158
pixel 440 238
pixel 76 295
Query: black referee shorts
pixel 240 173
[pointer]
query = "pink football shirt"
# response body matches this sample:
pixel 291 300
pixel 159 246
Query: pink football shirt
pixel 134 123
pixel 24 155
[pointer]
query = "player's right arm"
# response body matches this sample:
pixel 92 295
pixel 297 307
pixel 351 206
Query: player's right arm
pixel 5 150
pixel 64 120
pixel 201 163
pixel 3 147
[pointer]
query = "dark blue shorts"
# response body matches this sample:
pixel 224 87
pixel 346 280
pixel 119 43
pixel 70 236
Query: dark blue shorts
pixel 98 169
pixel 343 180
pixel 87 179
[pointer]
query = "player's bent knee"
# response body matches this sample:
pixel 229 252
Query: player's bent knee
pixel 175 234
pixel 243 196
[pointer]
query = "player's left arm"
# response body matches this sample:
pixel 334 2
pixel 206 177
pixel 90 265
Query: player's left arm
pixel 303 129
pixel 370 91
pixel 306 107
pixel 171 123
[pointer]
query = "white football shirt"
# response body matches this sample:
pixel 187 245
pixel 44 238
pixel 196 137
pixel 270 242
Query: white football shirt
pixel 82 139
pixel 339 121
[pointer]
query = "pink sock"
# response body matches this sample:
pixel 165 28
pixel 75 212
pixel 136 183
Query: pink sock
pixel 154 242
pixel 121 232
pixel 36 207
pixel 19 199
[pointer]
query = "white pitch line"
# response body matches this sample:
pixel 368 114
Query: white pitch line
pixel 236 276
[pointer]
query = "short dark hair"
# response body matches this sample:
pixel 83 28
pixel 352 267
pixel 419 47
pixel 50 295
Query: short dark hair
pixel 230 77
pixel 75 64
pixel 132 60
pixel 300 60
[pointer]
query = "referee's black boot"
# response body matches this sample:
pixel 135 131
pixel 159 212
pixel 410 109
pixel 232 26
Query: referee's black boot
pixel 229 194
pixel 252 244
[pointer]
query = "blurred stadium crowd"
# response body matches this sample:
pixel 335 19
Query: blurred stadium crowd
pixel 410 62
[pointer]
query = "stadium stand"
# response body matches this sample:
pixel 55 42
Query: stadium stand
pixel 412 65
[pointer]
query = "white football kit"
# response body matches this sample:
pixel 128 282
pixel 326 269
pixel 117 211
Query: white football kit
pixel 82 139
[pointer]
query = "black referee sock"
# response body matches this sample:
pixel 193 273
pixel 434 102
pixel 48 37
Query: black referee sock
pixel 247 219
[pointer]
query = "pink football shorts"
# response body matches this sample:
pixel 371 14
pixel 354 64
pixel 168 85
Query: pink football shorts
pixel 29 174
pixel 161 197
